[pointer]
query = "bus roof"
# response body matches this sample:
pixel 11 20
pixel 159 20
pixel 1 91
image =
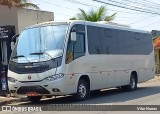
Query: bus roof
pixel 98 24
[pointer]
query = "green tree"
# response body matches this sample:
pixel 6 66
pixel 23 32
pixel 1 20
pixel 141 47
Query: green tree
pixel 19 4
pixel 73 18
pixel 94 16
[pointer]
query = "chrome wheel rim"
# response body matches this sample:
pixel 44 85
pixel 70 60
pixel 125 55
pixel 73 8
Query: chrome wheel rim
pixel 133 83
pixel 82 90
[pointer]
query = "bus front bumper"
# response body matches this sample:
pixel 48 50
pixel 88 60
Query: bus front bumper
pixel 55 88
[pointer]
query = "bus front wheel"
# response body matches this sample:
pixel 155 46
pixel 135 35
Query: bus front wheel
pixel 82 90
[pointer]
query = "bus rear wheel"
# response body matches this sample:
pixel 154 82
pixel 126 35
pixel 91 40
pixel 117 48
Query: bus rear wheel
pixel 34 99
pixel 82 91
pixel 132 85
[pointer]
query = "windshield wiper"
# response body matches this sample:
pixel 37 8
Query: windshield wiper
pixel 37 53
pixel 41 53
pixel 18 56
pixel 15 57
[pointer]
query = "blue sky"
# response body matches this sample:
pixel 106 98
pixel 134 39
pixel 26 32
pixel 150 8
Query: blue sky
pixel 64 9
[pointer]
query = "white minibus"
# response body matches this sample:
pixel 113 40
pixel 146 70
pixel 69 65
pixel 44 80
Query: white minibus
pixel 77 57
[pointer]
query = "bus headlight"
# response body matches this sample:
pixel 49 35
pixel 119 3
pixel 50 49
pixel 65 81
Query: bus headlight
pixel 54 77
pixel 13 80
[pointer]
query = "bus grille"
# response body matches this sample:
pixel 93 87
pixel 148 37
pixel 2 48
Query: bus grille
pixel 39 68
pixel 37 89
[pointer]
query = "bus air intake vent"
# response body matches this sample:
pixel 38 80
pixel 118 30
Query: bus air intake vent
pixel 37 89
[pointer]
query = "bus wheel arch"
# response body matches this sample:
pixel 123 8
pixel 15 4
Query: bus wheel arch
pixel 83 88
pixel 133 82
pixel 136 75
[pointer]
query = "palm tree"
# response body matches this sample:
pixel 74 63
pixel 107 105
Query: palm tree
pixel 18 3
pixel 72 18
pixel 94 16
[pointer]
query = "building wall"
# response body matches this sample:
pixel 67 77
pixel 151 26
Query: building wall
pixel 27 17
pixel 8 16
pixel 22 18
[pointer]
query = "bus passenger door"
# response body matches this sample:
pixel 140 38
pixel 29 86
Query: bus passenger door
pixel 75 57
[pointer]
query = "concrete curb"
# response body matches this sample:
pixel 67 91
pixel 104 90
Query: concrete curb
pixel 24 99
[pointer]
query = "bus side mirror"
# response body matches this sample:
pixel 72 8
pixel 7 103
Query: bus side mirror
pixel 12 45
pixel 73 36
pixel 14 38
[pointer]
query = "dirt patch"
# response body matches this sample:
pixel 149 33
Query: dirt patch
pixel 155 79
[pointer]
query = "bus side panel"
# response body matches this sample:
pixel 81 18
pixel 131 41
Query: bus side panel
pixel 125 50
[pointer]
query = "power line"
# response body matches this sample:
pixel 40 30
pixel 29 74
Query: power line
pixel 75 9
pixel 139 8
pixel 153 22
pixel 144 19
pixel 85 4
pixel 152 3
pixel 156 13
pixel 149 24
pixel 144 4
pixel 58 5
pixel 79 3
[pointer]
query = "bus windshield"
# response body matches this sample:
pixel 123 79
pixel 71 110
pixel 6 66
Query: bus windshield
pixel 37 40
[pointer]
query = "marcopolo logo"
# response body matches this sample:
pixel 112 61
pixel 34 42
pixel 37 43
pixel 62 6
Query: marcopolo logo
pixel 29 77
pixel 6 108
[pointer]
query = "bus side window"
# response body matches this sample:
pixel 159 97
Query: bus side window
pixel 79 46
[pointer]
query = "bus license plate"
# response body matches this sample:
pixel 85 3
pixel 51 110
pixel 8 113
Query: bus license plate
pixel 32 94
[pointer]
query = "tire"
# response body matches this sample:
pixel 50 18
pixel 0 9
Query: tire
pixel 34 99
pixel 82 91
pixel 132 85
